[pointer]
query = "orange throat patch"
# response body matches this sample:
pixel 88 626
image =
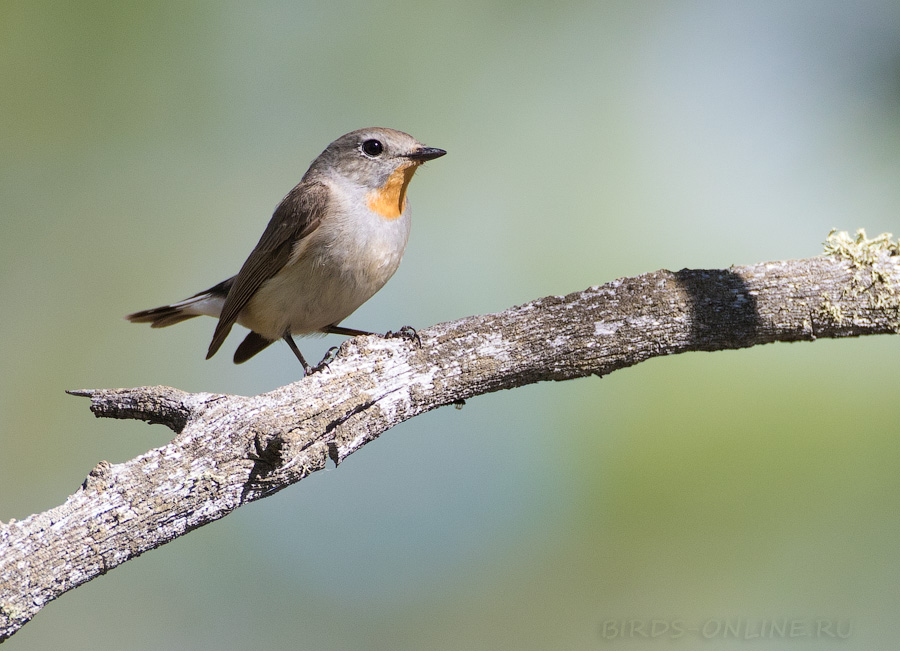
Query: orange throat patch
pixel 390 199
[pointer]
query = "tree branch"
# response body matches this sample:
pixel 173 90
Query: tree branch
pixel 230 450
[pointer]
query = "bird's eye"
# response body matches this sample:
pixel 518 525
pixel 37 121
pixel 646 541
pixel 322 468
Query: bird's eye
pixel 372 147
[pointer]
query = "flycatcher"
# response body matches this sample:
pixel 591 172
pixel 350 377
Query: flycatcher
pixel 334 241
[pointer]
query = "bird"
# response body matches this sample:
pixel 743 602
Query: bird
pixel 334 240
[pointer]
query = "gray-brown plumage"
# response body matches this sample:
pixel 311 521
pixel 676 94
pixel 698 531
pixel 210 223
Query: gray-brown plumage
pixel 333 242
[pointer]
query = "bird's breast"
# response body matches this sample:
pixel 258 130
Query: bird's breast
pixel 333 271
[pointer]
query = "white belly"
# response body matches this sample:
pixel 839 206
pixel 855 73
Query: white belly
pixel 329 277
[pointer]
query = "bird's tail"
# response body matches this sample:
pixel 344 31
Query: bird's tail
pixel 207 303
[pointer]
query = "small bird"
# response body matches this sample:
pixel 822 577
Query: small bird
pixel 333 241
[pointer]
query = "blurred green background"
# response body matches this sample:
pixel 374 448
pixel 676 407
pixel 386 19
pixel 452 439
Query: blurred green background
pixel 143 147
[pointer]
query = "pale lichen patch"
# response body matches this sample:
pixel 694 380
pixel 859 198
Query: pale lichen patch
pixel 832 310
pixel 604 328
pixel 860 250
pixel 874 262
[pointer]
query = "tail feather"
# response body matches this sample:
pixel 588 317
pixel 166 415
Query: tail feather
pixel 252 344
pixel 160 317
pixel 208 303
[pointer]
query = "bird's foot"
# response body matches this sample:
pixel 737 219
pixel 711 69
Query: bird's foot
pixel 406 332
pixel 330 355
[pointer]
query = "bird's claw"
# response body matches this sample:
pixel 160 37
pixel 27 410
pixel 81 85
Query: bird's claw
pixel 330 355
pixel 406 332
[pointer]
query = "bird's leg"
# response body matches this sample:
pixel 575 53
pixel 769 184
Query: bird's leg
pixel 406 332
pixel 341 330
pixel 290 342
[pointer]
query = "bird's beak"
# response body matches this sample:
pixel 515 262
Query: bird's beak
pixel 423 154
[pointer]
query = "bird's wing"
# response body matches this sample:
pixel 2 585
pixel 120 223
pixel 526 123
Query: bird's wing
pixel 298 215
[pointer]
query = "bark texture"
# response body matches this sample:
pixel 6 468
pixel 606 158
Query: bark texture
pixel 229 450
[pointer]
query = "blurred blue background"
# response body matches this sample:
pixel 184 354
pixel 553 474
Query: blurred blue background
pixel 144 146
